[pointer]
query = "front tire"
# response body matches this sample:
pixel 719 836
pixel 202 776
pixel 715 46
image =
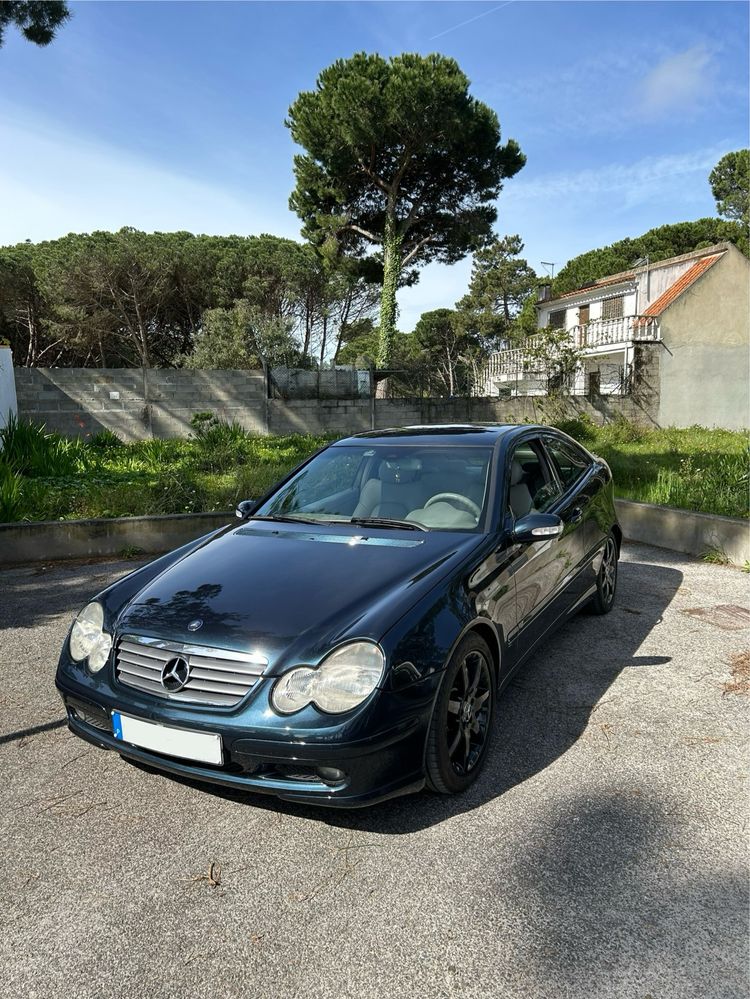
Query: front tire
pixel 461 726
pixel 606 580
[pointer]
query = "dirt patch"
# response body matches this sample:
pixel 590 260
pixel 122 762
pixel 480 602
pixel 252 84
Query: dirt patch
pixel 728 617
pixel 739 665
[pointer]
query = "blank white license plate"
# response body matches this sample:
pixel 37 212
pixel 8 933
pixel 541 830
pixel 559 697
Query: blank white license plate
pixel 204 747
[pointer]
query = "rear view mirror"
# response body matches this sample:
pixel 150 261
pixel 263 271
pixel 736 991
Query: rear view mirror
pixel 244 508
pixel 537 527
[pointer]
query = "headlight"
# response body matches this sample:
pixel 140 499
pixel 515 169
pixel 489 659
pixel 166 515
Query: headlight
pixel 342 681
pixel 88 639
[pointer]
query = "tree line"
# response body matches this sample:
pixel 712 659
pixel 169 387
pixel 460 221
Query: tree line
pixel 174 299
pixel 657 244
pixel 132 298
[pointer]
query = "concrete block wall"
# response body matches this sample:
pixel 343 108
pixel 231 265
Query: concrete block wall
pixel 137 404
pixel 319 416
pixel 160 403
pixel 525 409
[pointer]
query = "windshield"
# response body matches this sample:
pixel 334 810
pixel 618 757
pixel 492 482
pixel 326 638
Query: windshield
pixel 439 488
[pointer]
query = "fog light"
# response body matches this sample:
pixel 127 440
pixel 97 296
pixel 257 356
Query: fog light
pixel 331 775
pixel 90 714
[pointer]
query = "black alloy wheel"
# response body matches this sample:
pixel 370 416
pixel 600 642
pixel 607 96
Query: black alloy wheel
pixel 461 726
pixel 606 580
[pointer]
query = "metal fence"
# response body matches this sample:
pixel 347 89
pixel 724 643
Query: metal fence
pixel 340 382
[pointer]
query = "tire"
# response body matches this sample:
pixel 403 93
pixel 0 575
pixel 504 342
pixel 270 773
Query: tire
pixel 461 726
pixel 606 579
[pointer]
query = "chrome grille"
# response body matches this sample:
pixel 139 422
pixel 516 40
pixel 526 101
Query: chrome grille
pixel 216 676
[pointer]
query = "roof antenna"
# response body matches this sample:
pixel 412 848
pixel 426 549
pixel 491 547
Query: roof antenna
pixel 549 267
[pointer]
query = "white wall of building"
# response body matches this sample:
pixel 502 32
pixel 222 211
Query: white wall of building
pixel 8 404
pixel 593 297
pixel 656 279
pixel 704 364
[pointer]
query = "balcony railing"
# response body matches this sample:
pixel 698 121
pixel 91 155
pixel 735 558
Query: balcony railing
pixel 602 332
pixel 590 336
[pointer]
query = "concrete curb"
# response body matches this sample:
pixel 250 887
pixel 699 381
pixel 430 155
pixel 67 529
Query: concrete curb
pixel 50 540
pixel 685 531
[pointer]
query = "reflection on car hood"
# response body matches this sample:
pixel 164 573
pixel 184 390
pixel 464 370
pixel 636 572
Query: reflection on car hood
pixel 274 589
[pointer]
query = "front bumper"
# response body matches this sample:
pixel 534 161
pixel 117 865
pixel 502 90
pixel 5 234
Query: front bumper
pixel 381 756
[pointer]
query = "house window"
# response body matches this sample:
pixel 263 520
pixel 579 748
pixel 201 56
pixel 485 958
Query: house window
pixel 613 308
pixel 557 320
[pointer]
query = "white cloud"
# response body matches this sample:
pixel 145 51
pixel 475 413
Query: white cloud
pixel 678 83
pixel 560 215
pixel 53 183
pixel 622 185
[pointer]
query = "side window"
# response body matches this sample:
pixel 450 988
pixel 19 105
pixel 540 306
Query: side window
pixel 569 461
pixel 532 488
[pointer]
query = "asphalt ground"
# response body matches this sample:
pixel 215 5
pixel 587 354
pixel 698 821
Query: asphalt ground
pixel 603 853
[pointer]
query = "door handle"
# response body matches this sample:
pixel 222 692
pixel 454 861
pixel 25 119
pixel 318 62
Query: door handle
pixel 576 514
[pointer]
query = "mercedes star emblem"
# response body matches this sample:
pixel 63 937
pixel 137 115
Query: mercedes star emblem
pixel 175 674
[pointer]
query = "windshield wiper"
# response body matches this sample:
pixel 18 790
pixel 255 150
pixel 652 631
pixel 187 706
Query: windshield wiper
pixel 290 518
pixel 409 525
pixel 284 518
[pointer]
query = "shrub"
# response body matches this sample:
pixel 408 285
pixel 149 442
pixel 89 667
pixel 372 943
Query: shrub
pixel 105 439
pixel 220 445
pixel 620 431
pixel 582 428
pixel 213 432
pixel 12 506
pixel 29 450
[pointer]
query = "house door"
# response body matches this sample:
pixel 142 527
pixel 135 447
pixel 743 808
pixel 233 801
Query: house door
pixel 583 318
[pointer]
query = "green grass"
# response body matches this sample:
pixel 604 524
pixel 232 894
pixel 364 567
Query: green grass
pixel 693 469
pixel 106 478
pixel 47 477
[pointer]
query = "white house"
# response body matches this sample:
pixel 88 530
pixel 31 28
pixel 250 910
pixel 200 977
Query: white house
pixel 688 313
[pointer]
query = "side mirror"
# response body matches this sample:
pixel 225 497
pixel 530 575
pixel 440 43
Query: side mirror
pixel 244 508
pixel 537 527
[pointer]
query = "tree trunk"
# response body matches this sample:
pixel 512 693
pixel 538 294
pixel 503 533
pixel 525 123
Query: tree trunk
pixel 323 339
pixel 449 365
pixel 391 273
pixel 308 327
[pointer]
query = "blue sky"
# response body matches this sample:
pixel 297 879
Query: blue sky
pixel 171 115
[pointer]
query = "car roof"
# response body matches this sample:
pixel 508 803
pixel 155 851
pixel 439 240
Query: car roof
pixel 445 434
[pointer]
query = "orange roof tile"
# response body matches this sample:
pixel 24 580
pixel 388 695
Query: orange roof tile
pixel 601 283
pixel 681 284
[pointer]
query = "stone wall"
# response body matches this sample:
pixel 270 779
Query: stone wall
pixel 160 402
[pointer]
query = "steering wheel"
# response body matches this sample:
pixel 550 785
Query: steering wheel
pixel 456 498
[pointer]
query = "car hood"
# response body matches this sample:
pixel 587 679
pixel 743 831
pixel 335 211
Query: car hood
pixel 290 592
